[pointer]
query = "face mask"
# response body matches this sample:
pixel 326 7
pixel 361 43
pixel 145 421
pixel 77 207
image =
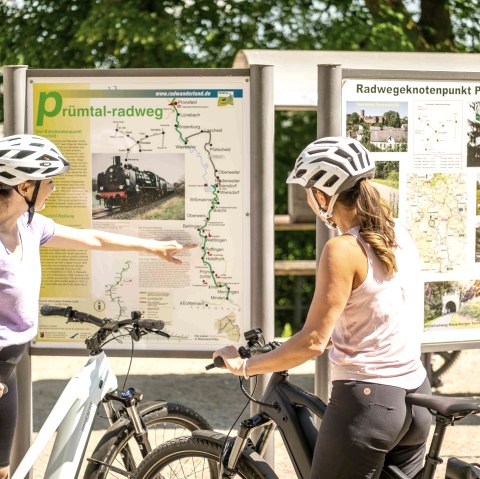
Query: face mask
pixel 325 216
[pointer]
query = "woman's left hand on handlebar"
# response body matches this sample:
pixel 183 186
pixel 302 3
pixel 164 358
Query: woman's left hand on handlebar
pixel 233 361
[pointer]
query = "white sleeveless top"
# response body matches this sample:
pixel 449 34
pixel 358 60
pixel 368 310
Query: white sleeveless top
pixel 378 336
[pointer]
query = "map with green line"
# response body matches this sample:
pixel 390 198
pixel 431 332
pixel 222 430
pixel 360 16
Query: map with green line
pixel 199 145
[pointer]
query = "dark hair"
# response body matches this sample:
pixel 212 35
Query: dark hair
pixel 376 221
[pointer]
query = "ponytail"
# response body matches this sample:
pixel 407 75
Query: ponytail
pixel 376 222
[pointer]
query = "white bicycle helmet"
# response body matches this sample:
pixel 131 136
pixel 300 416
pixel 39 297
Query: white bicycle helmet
pixel 332 165
pixel 29 157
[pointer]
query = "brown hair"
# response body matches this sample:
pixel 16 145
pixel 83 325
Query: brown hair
pixel 376 221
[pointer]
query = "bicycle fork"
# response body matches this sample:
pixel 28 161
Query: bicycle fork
pixel 233 448
pixel 130 399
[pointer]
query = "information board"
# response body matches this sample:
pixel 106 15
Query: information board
pixel 155 157
pixel 425 139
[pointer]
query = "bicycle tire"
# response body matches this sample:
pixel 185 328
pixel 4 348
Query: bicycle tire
pixel 117 447
pixel 199 454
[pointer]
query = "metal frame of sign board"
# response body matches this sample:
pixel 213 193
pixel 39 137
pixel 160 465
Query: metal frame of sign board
pixel 442 344
pixel 260 290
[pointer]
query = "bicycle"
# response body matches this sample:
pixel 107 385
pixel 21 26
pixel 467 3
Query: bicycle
pixel 292 410
pixel 135 427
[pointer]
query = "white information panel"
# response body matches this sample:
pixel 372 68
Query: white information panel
pixel 155 157
pixel 425 139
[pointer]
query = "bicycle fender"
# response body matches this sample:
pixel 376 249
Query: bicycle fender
pixel 213 436
pixel 149 406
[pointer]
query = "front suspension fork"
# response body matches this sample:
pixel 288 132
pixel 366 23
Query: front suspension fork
pixel 234 448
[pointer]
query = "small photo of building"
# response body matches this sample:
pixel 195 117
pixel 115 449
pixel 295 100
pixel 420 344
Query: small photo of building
pixel 380 126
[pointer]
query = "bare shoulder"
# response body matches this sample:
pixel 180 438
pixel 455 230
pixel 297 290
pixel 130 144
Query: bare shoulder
pixel 344 244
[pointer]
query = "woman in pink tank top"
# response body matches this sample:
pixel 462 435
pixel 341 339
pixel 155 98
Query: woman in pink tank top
pixel 367 309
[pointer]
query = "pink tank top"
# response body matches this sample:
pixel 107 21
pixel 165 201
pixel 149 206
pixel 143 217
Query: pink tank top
pixel 378 336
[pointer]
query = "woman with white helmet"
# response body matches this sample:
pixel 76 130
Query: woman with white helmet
pixel 367 309
pixel 28 164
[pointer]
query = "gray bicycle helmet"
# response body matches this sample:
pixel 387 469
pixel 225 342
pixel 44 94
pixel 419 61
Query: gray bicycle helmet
pixel 332 165
pixel 29 157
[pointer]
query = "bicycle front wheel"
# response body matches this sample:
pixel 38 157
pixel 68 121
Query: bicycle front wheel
pixel 198 456
pixel 118 449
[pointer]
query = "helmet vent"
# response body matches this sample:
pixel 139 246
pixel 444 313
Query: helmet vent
pixel 317 151
pixel 21 154
pixel 333 179
pixel 326 142
pixel 317 176
pixel 300 173
pixel 3 152
pixel 25 169
pixel 49 170
pixel 6 175
pixel 359 153
pixel 348 157
pixel 39 145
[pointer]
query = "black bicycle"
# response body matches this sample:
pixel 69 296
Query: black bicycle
pixel 292 410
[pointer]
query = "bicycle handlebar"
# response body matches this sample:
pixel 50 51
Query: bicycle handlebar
pixel 71 314
pixel 107 326
pixel 245 352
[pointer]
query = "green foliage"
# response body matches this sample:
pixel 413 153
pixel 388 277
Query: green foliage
pixel 293 131
pixel 472 309
pixel 287 331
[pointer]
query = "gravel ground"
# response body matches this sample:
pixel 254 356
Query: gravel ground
pixel 216 396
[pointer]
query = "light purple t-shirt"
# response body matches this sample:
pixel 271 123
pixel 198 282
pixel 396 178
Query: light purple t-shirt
pixel 20 282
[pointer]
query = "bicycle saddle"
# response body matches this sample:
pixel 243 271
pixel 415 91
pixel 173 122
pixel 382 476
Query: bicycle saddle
pixel 446 406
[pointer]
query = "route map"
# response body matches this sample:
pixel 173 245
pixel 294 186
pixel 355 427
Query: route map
pixel 437 219
pixel 437 127
pixel 195 142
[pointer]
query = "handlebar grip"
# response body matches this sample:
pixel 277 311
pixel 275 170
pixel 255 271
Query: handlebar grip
pixel 151 324
pixel 48 310
pixel 217 363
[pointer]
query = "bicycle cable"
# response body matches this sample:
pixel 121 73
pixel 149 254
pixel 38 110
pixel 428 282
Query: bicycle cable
pixel 130 363
pixel 239 416
pixel 250 396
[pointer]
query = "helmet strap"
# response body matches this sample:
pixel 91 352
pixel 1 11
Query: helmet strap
pixel 30 202
pixel 325 216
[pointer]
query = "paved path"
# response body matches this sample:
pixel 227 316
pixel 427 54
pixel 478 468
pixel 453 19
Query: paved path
pixel 217 397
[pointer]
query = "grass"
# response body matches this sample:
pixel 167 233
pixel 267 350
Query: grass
pixel 171 209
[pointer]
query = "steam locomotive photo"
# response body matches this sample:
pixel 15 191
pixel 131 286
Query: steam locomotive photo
pixel 126 186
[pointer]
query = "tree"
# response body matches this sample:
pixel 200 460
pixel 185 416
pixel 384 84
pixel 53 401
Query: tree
pixel 392 118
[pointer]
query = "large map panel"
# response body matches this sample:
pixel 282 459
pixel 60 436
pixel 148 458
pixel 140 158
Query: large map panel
pixel 158 158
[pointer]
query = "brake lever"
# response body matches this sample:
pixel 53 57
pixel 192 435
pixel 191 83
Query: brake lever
pixel 160 333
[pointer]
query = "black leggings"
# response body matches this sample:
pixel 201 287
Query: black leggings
pixel 9 358
pixel 366 426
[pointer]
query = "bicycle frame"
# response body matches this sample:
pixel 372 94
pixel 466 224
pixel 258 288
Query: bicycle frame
pixel 293 415
pixel 72 417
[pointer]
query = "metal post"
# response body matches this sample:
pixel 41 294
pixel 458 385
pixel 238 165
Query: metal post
pixel 23 432
pixel 14 98
pixel 14 101
pixel 262 216
pixel 329 123
pixel 262 213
